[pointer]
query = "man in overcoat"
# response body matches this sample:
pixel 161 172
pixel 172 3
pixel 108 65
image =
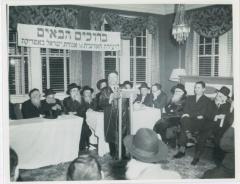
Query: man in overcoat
pixel 109 102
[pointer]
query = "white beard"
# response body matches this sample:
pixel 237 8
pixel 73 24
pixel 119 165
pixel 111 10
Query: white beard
pixel 36 103
pixel 176 98
pixel 219 102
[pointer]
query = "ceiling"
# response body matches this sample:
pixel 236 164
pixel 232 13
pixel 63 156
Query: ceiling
pixel 161 9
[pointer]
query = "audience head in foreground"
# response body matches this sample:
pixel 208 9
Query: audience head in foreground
pixel 148 152
pixel 85 167
pixel 14 171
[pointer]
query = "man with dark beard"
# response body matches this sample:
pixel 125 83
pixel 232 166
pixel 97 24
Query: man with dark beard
pixel 51 106
pixel 33 107
pixel 171 119
pixel 73 102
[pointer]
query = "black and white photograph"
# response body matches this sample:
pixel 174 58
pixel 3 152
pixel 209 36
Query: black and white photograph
pixel 120 91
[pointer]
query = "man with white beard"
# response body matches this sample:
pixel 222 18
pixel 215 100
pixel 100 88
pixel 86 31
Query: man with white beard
pixel 174 111
pixel 33 107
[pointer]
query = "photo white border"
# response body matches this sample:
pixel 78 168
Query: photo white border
pixel 4 93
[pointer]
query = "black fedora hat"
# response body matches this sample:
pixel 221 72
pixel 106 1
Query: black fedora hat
pixel 127 83
pixel 179 86
pixel 144 85
pixel 225 91
pixel 49 92
pixel 145 146
pixel 71 86
pixel 86 88
pixel 100 82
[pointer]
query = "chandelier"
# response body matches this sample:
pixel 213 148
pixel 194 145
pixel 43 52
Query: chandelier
pixel 180 29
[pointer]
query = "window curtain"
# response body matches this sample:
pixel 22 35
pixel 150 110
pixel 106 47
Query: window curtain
pixel 211 21
pixel 76 67
pixel 155 64
pixel 129 26
pixel 97 68
pixel 43 15
pixel 189 54
pixel 96 21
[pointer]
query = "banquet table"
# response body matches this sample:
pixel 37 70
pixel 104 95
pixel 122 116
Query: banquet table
pixel 41 142
pixel 144 118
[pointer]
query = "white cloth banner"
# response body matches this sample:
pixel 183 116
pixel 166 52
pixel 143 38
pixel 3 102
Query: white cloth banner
pixel 64 38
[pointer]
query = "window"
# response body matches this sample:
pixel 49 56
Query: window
pixel 55 69
pixel 18 66
pixel 138 58
pixel 208 57
pixel 212 56
pixel 110 57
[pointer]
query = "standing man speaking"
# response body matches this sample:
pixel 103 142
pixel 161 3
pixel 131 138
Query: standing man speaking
pixel 109 102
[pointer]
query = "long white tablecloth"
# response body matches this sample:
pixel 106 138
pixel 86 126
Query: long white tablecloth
pixel 41 142
pixel 145 118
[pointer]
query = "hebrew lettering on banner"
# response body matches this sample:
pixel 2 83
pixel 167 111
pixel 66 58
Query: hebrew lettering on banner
pixel 64 38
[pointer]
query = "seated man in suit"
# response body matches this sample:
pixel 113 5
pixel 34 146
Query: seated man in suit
pixel 73 102
pixel 88 103
pixel 159 98
pixel 174 111
pixel 194 120
pixel 144 98
pixel 32 108
pixel 51 106
pixel 226 167
pixel 218 111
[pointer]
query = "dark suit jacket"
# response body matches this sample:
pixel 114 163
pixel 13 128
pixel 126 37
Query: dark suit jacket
pixel 85 106
pixel 70 105
pixel 30 111
pixel 214 110
pixel 194 108
pixel 97 99
pixel 111 116
pixel 161 100
pixel 147 101
pixel 46 108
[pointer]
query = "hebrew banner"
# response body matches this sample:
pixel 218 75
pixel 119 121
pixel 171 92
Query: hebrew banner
pixel 64 38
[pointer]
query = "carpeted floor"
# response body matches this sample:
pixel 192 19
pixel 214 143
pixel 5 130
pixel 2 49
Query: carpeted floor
pixel 115 169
